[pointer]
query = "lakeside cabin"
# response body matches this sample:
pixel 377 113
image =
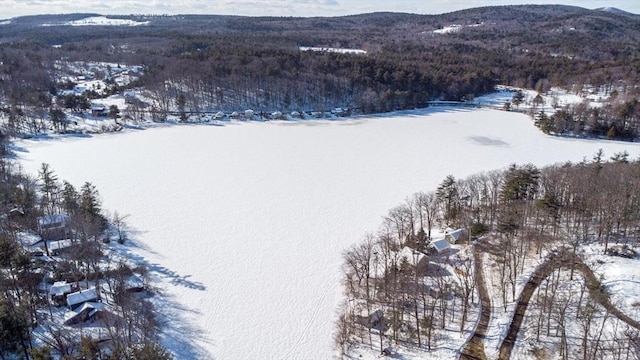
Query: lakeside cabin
pixel 439 246
pixel 76 299
pixel 455 236
pixel 413 257
pixel 58 292
pixel 88 311
pixel 99 110
pixel 53 227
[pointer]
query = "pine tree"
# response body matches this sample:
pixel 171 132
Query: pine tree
pixel 49 188
pixel 518 98
pixel 447 195
pixel 543 122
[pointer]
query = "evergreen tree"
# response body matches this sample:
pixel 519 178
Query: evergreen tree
pixel 114 112
pixel 70 198
pixel 543 122
pixel 49 200
pixel 14 329
pixel 150 351
pixel 49 188
pixel 518 98
pixel 90 210
pixel 58 118
pixel 447 195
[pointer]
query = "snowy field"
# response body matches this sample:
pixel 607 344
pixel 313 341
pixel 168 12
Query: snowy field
pixel 243 225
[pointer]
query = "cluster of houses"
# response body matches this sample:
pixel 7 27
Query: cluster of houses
pixel 82 303
pixel 278 115
pixel 438 246
pixel 442 244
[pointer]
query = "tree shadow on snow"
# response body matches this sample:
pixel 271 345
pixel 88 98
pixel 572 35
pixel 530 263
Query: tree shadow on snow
pixel 127 251
pixel 177 333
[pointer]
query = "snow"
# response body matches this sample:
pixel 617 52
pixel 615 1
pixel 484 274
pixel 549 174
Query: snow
pixel 451 29
pixel 440 244
pixel 620 276
pixel 52 220
pixel 82 296
pixel 552 100
pixel 60 288
pixel 101 21
pixel 329 49
pixel 243 225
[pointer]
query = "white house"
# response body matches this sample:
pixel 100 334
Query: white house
pixel 74 300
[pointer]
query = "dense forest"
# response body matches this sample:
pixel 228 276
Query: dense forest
pixel 229 63
pixel 402 292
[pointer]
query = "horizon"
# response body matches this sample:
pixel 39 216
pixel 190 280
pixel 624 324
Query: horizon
pixel 294 8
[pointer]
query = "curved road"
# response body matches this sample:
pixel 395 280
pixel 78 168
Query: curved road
pixel 561 259
pixel 474 349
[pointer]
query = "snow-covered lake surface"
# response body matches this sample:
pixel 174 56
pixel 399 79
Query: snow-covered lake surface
pixel 243 225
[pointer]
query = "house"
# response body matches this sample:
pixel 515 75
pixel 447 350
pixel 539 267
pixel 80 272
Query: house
pixel 439 245
pixel 277 115
pixel 413 257
pixel 134 284
pixel 248 114
pixel 53 227
pixel 338 112
pixel 16 213
pixel 99 110
pixel 219 115
pixel 76 299
pixel 58 292
pixel 234 115
pixel 455 236
pixel 373 321
pixel 60 288
pixel 130 97
pixel 88 311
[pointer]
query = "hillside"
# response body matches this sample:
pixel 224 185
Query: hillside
pixel 410 59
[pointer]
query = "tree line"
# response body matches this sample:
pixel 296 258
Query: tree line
pixel 419 298
pixel 213 63
pixel 25 309
pixel 616 119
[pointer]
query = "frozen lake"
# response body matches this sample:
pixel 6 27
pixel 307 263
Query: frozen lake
pixel 243 225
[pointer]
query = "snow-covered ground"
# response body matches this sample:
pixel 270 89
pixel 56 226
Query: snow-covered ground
pixel 448 29
pixel 243 225
pixel 101 21
pixel 329 49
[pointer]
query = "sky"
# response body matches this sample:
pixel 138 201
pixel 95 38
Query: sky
pixel 13 8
